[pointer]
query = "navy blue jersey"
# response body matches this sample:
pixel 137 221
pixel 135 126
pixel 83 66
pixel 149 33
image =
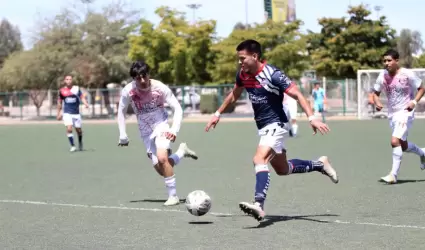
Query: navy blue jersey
pixel 71 98
pixel 265 90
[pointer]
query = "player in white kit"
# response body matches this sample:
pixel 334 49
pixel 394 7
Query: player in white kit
pixel 399 85
pixel 147 97
pixel 290 106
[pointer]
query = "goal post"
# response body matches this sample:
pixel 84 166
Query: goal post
pixel 366 78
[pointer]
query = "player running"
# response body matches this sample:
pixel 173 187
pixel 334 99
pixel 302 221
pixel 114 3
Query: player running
pixel 290 107
pixel 266 85
pixel 319 98
pixel 71 96
pixel 399 85
pixel 147 97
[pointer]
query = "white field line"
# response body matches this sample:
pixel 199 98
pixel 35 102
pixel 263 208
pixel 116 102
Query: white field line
pixel 55 204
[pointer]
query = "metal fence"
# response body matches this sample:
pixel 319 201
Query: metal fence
pixel 29 105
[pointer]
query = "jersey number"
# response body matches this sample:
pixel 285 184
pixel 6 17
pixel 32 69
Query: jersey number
pixel 267 132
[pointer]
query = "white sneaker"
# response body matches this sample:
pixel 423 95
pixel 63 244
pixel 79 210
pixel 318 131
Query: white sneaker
pixel 172 201
pixel 328 169
pixel 187 151
pixel 389 179
pixel 423 160
pixel 73 149
pixel 253 209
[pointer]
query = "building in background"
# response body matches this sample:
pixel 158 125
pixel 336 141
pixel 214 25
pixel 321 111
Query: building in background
pixel 280 10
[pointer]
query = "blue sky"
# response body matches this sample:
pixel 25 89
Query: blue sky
pixel 401 14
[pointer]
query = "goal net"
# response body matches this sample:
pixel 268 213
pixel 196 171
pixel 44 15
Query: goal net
pixel 365 81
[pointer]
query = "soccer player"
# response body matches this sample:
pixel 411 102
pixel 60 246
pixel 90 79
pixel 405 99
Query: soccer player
pixel 266 85
pixel 399 85
pixel 319 98
pixel 72 97
pixel 147 97
pixel 290 106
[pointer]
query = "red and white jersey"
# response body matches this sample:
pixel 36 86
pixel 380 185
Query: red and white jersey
pixel 399 89
pixel 149 107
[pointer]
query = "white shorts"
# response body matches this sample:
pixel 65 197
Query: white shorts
pixel 400 124
pixel 72 120
pixel 273 136
pixel 156 140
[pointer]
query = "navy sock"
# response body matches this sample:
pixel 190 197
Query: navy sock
pixel 302 166
pixel 71 139
pixel 262 176
pixel 80 139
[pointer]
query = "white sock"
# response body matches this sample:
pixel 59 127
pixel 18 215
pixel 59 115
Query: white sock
pixel 170 183
pixel 177 156
pixel 294 128
pixel 412 148
pixel 397 155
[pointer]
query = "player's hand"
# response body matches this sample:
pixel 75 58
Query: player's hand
pixel 318 125
pixel 86 106
pixel 170 136
pixel 212 123
pixel 378 106
pixel 123 142
pixel 59 117
pixel 411 106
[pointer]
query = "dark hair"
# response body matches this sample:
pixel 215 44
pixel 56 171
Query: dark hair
pixel 139 68
pixel 393 53
pixel 251 46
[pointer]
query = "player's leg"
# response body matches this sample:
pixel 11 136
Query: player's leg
pixel 261 159
pixel 166 162
pixel 67 120
pixel 398 144
pixel 322 111
pixel 77 123
pixel 410 147
pixel 293 120
pixel 287 111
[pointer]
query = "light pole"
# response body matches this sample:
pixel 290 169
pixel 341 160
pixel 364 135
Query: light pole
pixel 378 9
pixel 194 7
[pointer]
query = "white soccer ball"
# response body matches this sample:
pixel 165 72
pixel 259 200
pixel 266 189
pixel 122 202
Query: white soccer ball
pixel 198 203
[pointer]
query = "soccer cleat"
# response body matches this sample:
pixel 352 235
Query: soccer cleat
pixel 187 151
pixel 172 201
pixel 73 149
pixel 253 209
pixel 423 160
pixel 328 169
pixel 389 179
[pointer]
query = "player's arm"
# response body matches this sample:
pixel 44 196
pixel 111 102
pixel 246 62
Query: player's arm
pixel 377 87
pixel 59 105
pixel 294 92
pixel 231 98
pixel 122 110
pixel 325 100
pixel 84 99
pixel 172 101
pixel 280 80
pixel 416 83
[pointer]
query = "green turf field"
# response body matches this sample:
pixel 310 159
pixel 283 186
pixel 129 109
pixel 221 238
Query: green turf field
pixel 111 198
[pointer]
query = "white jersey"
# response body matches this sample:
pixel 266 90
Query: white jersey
pixel 399 89
pixel 148 105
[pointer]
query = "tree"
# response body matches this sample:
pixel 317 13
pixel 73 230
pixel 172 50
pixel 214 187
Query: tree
pixel 408 43
pixel 177 51
pixel 20 73
pixel 346 45
pixel 283 45
pixel 10 40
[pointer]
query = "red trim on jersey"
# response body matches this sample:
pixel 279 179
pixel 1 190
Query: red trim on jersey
pixel 290 87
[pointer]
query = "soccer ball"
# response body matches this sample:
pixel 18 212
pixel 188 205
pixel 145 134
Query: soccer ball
pixel 198 203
